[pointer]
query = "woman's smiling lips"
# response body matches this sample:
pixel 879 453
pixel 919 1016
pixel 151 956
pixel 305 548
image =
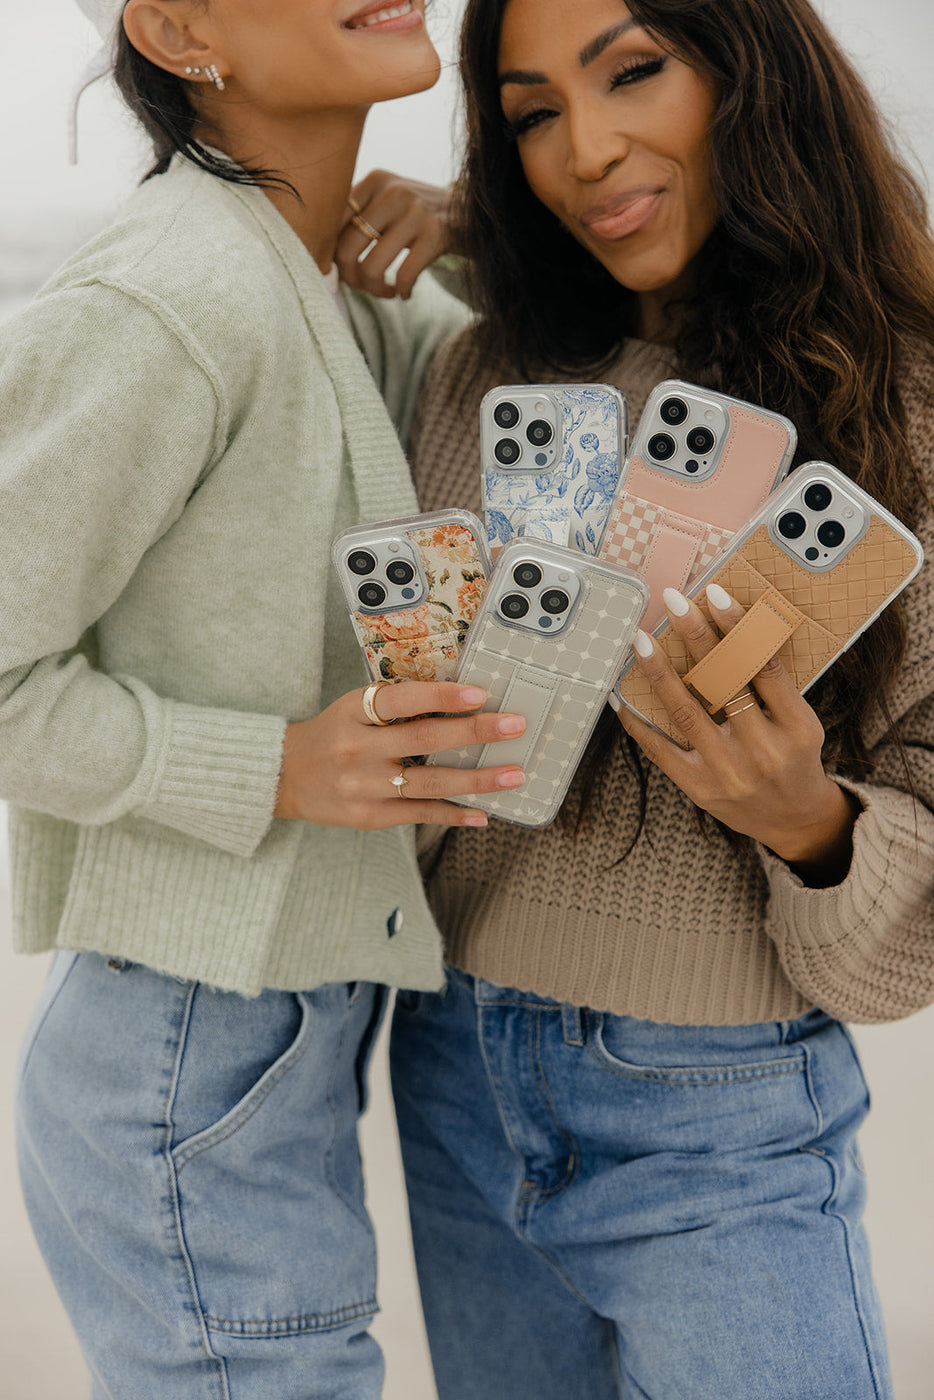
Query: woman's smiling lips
pixel 625 213
pixel 382 17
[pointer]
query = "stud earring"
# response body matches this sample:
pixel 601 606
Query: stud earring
pixel 215 77
pixel 192 71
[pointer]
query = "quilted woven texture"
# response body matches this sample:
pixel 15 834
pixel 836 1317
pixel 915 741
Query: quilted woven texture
pixel 578 666
pixel 837 606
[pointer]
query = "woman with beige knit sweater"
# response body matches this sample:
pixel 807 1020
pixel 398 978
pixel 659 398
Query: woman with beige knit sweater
pixel 629 1124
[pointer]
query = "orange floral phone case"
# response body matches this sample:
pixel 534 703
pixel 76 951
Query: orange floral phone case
pixel 412 587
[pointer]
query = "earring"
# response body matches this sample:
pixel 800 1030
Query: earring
pixel 192 71
pixel 215 77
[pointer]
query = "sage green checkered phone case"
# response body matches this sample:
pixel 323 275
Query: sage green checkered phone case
pixel 556 668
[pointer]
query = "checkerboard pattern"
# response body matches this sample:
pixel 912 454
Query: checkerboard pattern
pixel 629 532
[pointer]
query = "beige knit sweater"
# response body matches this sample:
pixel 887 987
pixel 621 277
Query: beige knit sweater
pixel 690 928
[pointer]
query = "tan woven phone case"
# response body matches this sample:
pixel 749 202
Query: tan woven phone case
pixel 806 617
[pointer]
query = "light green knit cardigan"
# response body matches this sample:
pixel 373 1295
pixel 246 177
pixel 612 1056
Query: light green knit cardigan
pixel 186 424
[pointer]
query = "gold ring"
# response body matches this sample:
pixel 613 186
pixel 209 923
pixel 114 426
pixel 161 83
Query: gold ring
pixel 400 781
pixel 746 695
pixel 365 227
pixel 369 709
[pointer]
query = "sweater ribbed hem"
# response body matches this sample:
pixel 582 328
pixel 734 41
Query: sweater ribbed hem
pixel 219 776
pixel 652 973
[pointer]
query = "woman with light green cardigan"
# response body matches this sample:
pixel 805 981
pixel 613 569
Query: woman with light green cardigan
pixel 203 817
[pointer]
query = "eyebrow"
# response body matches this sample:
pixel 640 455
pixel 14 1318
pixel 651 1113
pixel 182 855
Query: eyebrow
pixel 530 77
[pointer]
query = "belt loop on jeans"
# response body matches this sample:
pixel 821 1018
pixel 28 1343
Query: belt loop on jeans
pixel 572 1024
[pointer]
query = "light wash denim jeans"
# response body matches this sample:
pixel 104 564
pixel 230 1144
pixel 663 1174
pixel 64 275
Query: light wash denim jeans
pixel 605 1207
pixel 190 1164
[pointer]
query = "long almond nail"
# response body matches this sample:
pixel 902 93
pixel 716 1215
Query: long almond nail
pixel 642 644
pixel 718 597
pixel 675 602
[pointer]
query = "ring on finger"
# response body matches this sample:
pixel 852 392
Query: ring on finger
pixel 359 221
pixel 749 703
pixel 400 782
pixel 369 708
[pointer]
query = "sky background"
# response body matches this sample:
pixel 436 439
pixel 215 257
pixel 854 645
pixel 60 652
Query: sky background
pixel 49 207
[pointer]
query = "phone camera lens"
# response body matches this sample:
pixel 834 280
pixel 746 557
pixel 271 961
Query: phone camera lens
pixel 661 447
pixel 507 451
pixel 700 440
pixel 539 432
pixel 792 524
pixel 831 533
pixel 400 571
pixel 505 415
pixel 514 605
pixel 361 562
pixel 527 575
pixel 691 466
pixel 818 496
pixel 371 595
pixel 555 600
pixel 673 411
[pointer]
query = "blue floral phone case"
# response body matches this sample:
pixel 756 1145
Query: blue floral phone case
pixel 551 457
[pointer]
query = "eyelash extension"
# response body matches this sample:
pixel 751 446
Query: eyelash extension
pixel 628 73
pixel 632 72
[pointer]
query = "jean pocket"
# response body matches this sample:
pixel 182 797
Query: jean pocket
pixel 707 1088
pixel 235 1052
pixel 274 1247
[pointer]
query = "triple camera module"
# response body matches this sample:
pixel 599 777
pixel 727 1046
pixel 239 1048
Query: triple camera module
pixel 692 455
pixel 815 537
pixel 400 575
pixel 527 432
pixel 545 602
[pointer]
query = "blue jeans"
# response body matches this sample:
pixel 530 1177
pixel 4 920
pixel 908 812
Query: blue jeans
pixel 190 1165
pixel 604 1207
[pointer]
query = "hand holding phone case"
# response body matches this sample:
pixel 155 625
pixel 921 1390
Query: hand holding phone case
pixel 807 597
pixel 551 456
pixel 701 464
pixel 412 587
pixel 558 680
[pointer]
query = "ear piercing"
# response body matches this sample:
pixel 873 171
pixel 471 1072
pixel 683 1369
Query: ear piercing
pixel 211 72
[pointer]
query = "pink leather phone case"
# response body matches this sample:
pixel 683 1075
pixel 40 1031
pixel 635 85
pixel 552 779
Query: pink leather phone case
pixel 669 528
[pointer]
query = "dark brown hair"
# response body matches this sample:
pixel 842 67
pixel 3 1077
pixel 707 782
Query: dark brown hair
pixel 161 102
pixel 813 290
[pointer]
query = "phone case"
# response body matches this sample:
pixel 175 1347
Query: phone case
pixel 808 612
pixel 560 682
pixel 561 489
pixel 421 638
pixel 672 517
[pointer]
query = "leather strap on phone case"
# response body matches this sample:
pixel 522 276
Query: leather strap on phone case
pixel 529 693
pixel 669 560
pixel 744 650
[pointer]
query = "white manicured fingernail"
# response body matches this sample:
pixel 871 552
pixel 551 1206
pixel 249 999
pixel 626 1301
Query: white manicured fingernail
pixel 718 597
pixel 642 643
pixel 675 602
pixel 613 703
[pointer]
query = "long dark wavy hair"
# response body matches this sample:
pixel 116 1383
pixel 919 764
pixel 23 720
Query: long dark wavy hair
pixel 812 292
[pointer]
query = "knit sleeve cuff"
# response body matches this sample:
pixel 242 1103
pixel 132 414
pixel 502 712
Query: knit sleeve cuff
pixel 849 946
pixel 219 776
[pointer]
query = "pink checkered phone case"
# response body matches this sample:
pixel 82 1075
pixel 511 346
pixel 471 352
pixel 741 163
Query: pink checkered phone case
pixel 701 464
